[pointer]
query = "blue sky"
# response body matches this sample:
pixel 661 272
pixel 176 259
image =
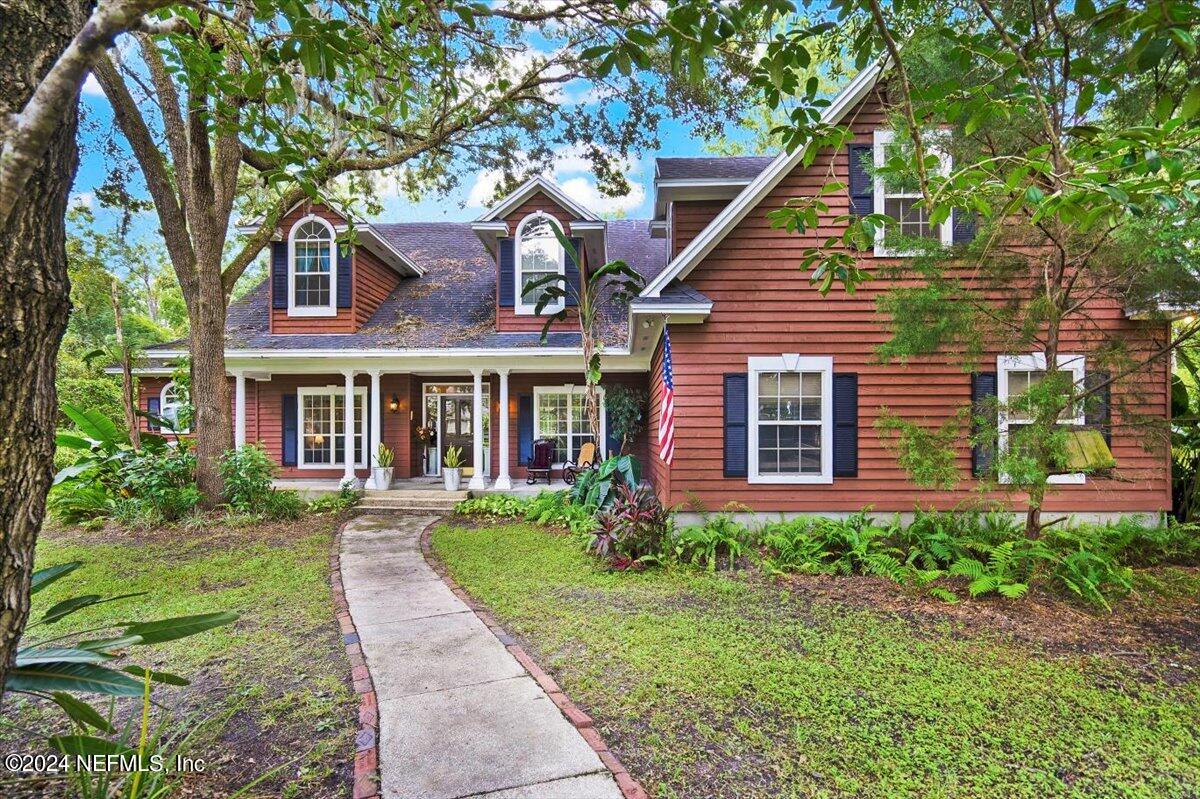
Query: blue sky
pixel 465 203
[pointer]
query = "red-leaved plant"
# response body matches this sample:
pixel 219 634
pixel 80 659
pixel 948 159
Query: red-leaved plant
pixel 633 527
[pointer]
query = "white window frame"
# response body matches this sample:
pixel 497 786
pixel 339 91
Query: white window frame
pixel 791 363
pixel 1076 364
pixel 883 138
pixel 540 391
pixel 334 391
pixel 312 310
pixel 163 404
pixel 521 308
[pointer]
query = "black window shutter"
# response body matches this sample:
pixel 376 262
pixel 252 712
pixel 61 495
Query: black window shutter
pixel 524 428
pixel 289 427
pixel 279 275
pixel 507 277
pixel 1098 409
pixel 862 184
pixel 572 272
pixel 736 408
pixel 345 277
pixel 983 390
pixel 845 425
pixel 154 408
pixel 963 226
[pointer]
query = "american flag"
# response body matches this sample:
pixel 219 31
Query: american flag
pixel 666 409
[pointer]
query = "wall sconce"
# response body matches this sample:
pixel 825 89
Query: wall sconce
pixel 394 403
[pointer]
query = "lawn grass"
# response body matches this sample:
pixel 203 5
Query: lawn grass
pixel 716 685
pixel 270 694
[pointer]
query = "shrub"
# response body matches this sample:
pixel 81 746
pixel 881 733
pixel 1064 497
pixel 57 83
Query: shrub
pixel 718 539
pixel 556 508
pixel 493 505
pixel 247 472
pixel 598 487
pixel 282 505
pixel 626 407
pixel 160 485
pixel 334 503
pixel 77 502
pixel 817 545
pixel 634 528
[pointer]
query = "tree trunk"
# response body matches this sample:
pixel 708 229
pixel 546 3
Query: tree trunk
pixel 211 422
pixel 35 296
pixel 126 370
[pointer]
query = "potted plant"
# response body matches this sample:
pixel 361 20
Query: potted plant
pixel 452 468
pixel 382 470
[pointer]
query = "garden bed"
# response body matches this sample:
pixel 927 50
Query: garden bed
pixel 270 701
pixel 742 684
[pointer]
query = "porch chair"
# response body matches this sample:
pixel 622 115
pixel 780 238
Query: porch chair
pixel 587 460
pixel 541 461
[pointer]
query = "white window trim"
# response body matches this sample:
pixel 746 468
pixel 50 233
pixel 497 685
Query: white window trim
pixel 522 308
pixel 312 310
pixel 883 138
pixel 539 391
pixel 1076 364
pixel 336 391
pixel 163 405
pixel 791 363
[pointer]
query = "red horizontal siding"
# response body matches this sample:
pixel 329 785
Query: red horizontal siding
pixel 763 305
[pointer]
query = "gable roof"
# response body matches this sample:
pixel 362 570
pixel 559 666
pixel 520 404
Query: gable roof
pixel 527 190
pixel 742 167
pixel 758 189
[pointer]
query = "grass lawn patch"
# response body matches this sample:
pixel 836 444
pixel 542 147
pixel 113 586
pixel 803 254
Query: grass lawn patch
pixel 270 698
pixel 736 685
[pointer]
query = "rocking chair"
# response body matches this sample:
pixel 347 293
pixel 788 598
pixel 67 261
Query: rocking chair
pixel 586 460
pixel 541 461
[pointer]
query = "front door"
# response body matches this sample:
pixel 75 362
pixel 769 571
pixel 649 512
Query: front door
pixel 456 428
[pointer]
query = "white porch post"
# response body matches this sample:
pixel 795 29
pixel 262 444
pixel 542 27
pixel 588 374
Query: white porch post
pixel 239 409
pixel 348 426
pixel 503 481
pixel 376 425
pixel 477 481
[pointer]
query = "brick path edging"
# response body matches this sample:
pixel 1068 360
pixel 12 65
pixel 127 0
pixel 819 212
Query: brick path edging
pixel 630 788
pixel 366 742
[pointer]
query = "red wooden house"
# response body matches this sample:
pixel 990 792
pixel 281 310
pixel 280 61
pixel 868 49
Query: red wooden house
pixel 777 390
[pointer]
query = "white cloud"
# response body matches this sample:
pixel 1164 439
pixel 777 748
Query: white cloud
pixel 584 192
pixel 572 171
pixel 83 199
pixel 91 86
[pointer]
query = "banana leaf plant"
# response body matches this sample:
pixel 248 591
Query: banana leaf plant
pixel 599 487
pixel 59 667
pixel 615 282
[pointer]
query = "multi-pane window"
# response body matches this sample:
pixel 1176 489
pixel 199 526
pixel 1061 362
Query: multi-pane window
pixel 323 427
pixel 900 197
pixel 1016 375
pixel 312 266
pixel 539 254
pixel 176 406
pixel 791 424
pixel 561 416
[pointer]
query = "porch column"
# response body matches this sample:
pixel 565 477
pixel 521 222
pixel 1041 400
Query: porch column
pixel 239 409
pixel 477 481
pixel 348 426
pixel 503 481
pixel 376 425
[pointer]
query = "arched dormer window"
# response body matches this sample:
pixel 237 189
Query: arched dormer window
pixel 539 253
pixel 172 402
pixel 312 269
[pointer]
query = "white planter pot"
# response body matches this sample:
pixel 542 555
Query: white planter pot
pixel 452 478
pixel 383 477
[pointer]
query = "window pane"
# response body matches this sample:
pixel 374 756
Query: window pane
pixel 768 384
pixel 554 422
pixel 312 251
pixel 914 221
pixel 540 255
pixel 317 426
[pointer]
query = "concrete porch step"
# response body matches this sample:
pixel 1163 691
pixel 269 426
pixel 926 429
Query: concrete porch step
pixel 419 509
pixel 400 503
pixel 417 493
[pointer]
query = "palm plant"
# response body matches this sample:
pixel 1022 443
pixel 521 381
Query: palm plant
pixel 614 282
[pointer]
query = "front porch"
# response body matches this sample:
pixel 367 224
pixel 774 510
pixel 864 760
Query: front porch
pixel 313 487
pixel 324 428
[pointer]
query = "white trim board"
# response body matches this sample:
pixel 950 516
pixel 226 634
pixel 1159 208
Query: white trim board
pixel 759 188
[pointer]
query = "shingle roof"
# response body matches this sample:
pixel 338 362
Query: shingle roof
pixel 453 305
pixel 675 293
pixel 744 167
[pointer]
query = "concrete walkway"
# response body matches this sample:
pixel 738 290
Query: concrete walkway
pixel 458 715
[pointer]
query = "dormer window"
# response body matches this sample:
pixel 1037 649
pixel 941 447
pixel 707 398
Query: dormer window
pixel 311 265
pixel 539 254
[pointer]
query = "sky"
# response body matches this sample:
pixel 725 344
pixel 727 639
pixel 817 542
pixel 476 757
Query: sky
pixel 465 203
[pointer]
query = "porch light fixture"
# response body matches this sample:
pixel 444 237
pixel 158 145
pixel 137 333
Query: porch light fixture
pixel 394 403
